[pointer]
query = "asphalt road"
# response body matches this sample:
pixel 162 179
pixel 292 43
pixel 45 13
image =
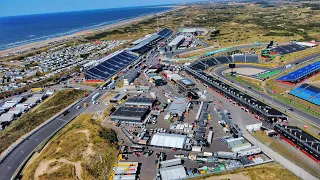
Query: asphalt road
pixel 11 163
pixel 297 112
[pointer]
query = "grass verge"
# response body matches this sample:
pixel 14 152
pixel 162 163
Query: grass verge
pixel 79 147
pixel 268 171
pixel 35 117
pixel 284 151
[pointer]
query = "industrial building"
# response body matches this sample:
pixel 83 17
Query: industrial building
pixel 118 97
pixel 149 42
pixel 178 106
pixel 176 41
pixel 110 66
pixel 141 102
pixel 174 77
pixel 168 140
pixel 185 85
pixel 196 31
pixel 130 114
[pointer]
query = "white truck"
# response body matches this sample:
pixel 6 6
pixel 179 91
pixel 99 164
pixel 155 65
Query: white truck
pixel 95 96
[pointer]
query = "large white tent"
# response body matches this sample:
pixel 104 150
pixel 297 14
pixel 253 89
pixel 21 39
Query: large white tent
pixel 168 140
pixel 173 173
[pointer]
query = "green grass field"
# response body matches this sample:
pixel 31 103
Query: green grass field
pixel 269 74
pixel 38 115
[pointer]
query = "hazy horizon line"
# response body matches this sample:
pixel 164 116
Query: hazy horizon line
pixel 86 10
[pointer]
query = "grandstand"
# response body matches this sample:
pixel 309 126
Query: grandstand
pixel 208 62
pixel 308 93
pixel 301 74
pixel 253 105
pixel 289 48
pixel 110 66
pixel 148 43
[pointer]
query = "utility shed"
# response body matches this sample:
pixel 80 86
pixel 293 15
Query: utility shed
pixel 171 162
pixel 118 97
pixel 173 173
pixel 168 140
pixel 178 106
pixel 232 142
pixel 130 114
pixel 140 102
pixel 6 117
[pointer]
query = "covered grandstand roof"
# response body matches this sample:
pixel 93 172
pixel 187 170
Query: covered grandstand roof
pixel 168 140
pixel 300 73
pixel 221 86
pixel 110 66
pixel 208 62
pixel 289 48
pixel 148 43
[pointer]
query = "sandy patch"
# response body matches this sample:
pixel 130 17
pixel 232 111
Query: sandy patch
pixel 44 167
pixel 238 176
pixel 248 71
pixel 89 151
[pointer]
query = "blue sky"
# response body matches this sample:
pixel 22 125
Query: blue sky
pixel 22 7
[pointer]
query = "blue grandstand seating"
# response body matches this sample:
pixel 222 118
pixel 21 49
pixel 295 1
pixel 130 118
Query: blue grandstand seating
pixel 307 92
pixel 287 49
pixel 301 73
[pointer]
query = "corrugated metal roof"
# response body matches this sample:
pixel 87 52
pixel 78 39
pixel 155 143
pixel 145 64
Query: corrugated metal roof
pixel 176 40
pixel 178 106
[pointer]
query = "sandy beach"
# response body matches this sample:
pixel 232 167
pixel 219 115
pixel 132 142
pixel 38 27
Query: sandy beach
pixel 44 43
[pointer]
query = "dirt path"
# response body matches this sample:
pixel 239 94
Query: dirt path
pixel 89 150
pixel 44 167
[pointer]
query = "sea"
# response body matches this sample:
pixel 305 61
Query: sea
pixel 19 30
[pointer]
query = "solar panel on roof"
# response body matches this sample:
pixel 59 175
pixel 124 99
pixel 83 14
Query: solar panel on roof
pixel 110 66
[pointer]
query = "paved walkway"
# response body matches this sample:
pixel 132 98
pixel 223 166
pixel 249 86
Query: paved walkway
pixel 280 159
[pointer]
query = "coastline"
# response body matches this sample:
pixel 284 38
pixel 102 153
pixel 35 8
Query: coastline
pixel 44 43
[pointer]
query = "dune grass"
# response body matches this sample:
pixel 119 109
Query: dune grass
pixel 83 141
pixel 270 171
pixel 40 114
